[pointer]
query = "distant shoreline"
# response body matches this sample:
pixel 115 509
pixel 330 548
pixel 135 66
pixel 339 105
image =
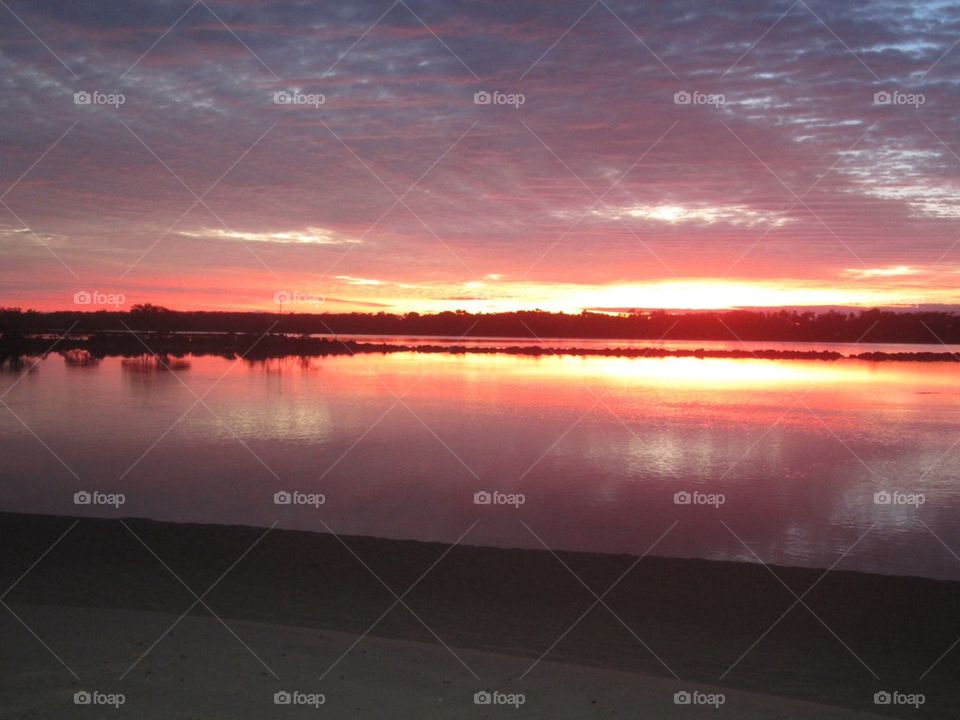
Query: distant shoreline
pixel 847 327
pixel 259 346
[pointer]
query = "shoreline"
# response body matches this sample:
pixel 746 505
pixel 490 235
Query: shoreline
pixel 258 346
pixel 707 622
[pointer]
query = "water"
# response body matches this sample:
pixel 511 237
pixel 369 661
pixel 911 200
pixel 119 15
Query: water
pixel 598 446
pixel 756 346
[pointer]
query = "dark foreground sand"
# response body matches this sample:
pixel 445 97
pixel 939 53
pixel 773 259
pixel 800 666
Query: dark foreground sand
pixel 201 671
pixel 298 601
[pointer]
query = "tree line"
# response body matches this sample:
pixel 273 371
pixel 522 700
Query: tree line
pixel 748 325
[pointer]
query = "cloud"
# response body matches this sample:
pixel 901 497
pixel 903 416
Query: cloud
pixel 883 272
pixel 797 173
pixel 706 215
pixel 358 281
pixel 354 302
pixel 308 236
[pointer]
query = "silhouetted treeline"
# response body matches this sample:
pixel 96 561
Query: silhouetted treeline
pixel 776 325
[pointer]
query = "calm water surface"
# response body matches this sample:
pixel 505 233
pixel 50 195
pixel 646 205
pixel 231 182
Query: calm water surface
pixel 598 446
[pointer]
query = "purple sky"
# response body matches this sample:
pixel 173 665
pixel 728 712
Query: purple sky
pixel 786 179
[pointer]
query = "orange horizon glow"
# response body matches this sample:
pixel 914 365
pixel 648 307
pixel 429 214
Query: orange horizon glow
pixel 497 293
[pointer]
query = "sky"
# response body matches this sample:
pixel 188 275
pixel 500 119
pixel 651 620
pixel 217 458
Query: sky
pixel 478 155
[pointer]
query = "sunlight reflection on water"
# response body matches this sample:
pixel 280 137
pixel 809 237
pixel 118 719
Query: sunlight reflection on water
pixel 597 445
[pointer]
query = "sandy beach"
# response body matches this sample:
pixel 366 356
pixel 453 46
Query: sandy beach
pixel 200 671
pixel 314 610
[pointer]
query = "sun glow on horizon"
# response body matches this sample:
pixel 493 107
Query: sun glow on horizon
pixel 719 295
pixel 892 287
pixel 686 294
